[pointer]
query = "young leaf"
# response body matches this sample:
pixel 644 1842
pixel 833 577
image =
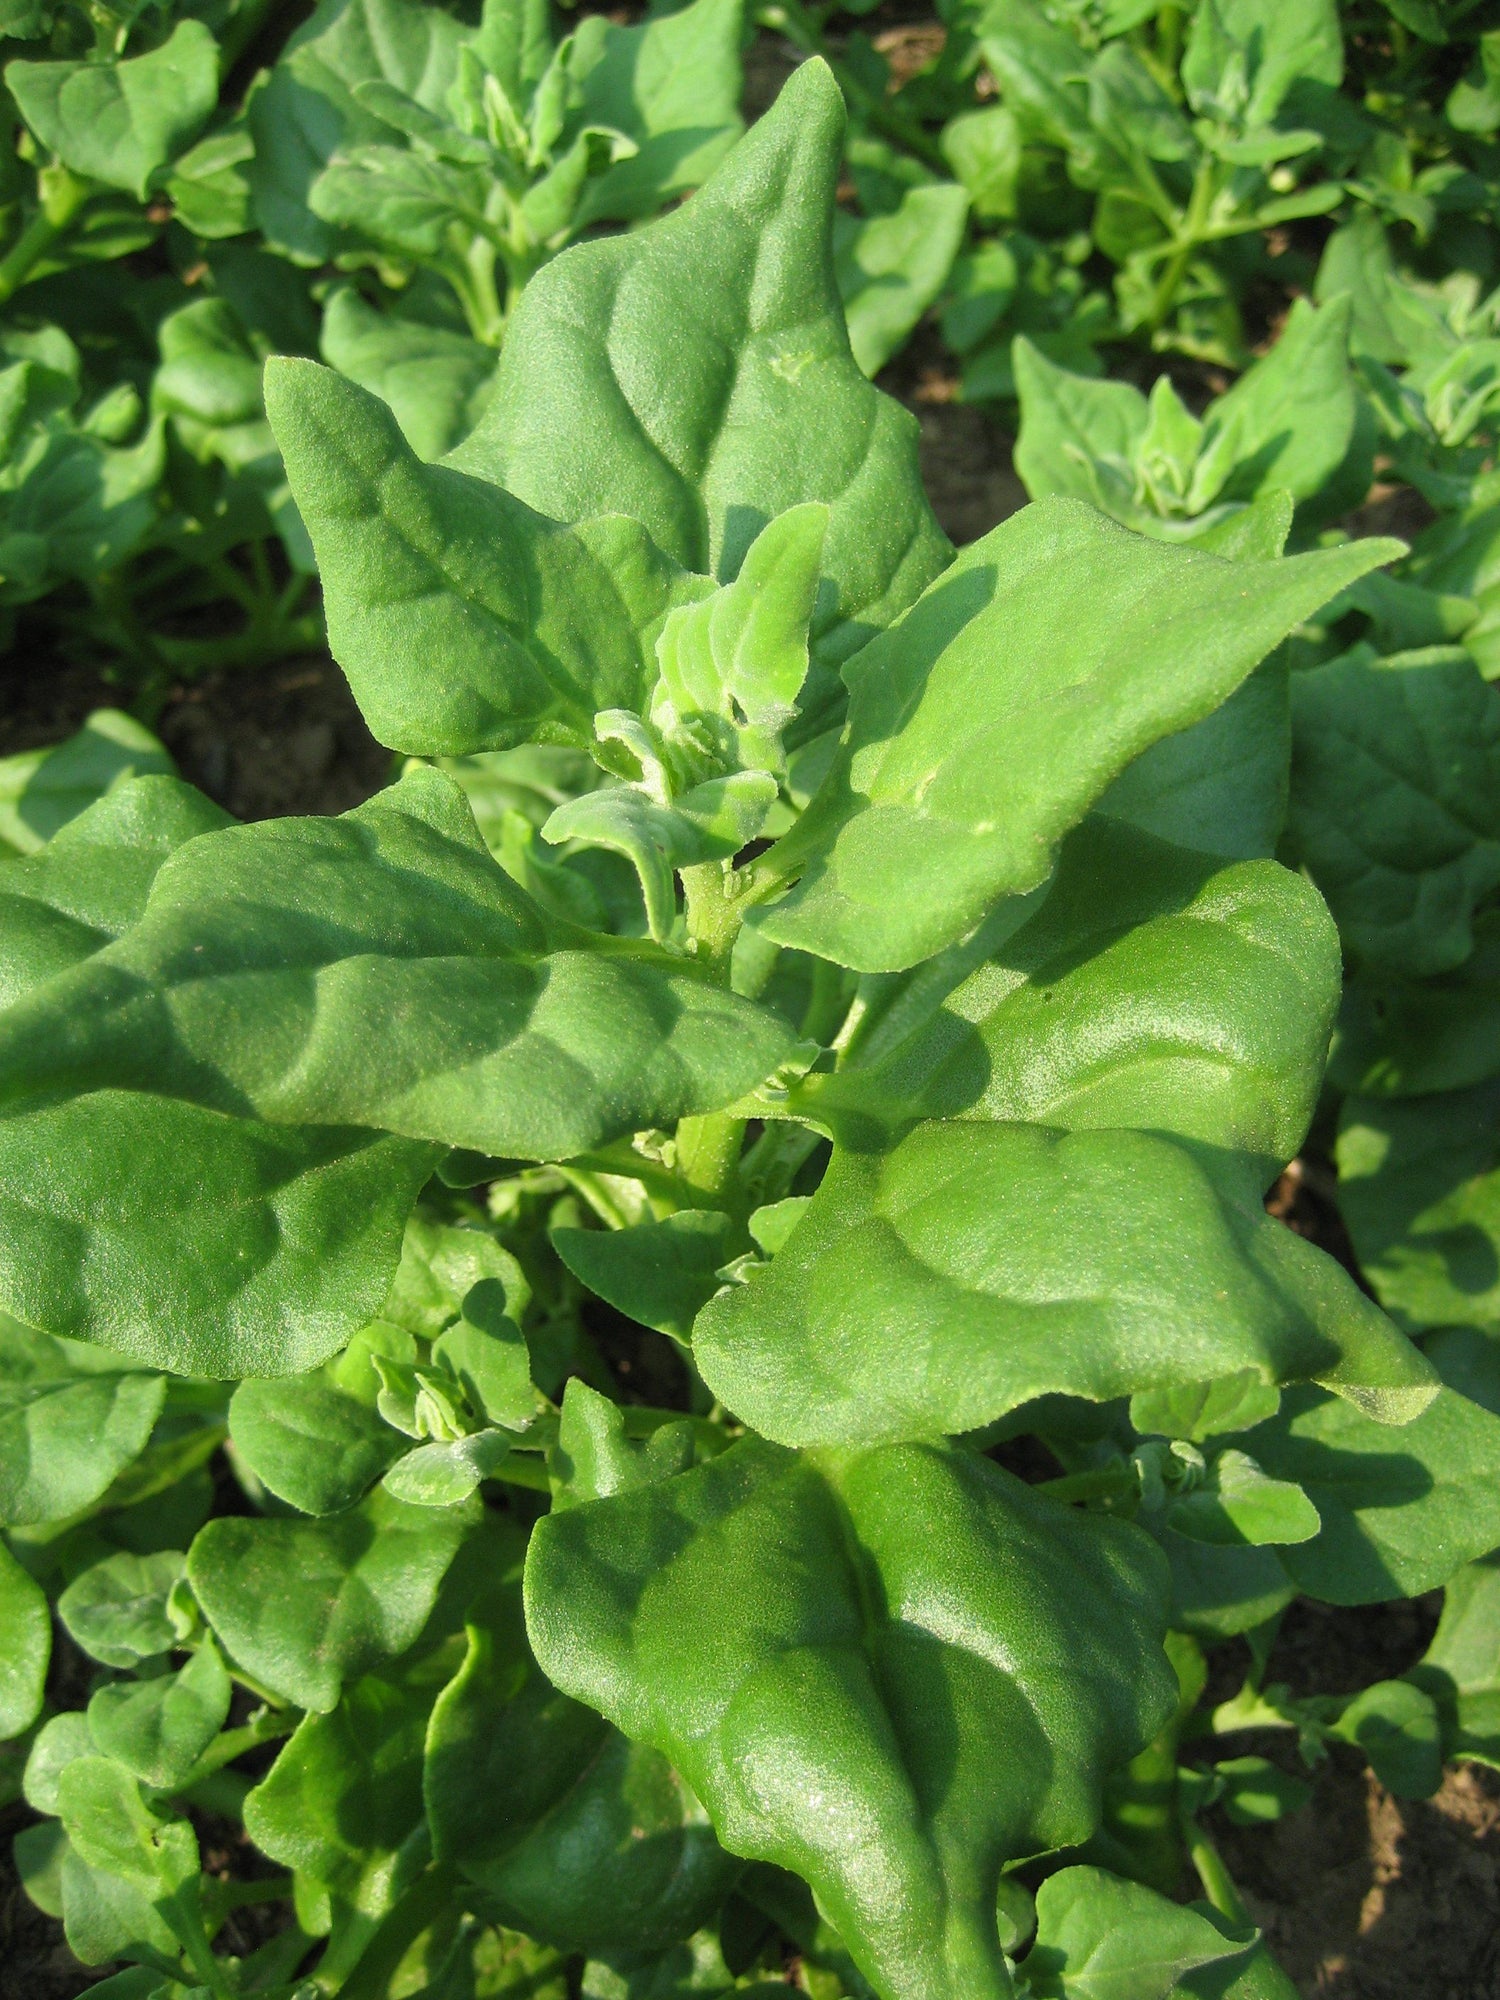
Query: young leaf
pixel 116 1610
pixel 479 1022
pixel 1100 1937
pixel 1396 1725
pixel 984 725
pixel 936 1286
pixel 1401 1510
pixel 309 1443
pixel 763 408
pixel 660 1273
pixel 307 1605
pixel 595 1455
pixel 948 1663
pixel 436 381
pixel 1395 800
pixel 158 1729
pixel 120 122
pixel 1239 1505
pixel 25 1646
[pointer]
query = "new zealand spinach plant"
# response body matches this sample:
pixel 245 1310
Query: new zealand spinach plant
pixel 885 1073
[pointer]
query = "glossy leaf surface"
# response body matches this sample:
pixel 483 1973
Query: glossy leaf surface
pixel 913 1700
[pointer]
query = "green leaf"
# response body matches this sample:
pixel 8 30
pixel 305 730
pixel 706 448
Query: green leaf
pixel 309 1443
pixel 440 1266
pixel 985 724
pixel 294 1233
pixel 969 1269
pixel 113 1831
pixel 595 1455
pixel 891 268
pixel 41 790
pixel 1401 1038
pixel 1461 1668
pixel 60 1739
pixel 1396 1725
pixel 486 1352
pixel 1420 1191
pixel 121 122
pixel 443 1473
pixel 1258 1792
pixel 569 1831
pixel 90 883
pixel 25 1647
pixel 1053 1025
pixel 949 1664
pixel 1202 1410
pixel 659 1273
pixel 538 626
pixel 672 84
pixel 1395 800
pixel 1238 1505
pixel 1401 1509
pixel 107 1916
pixel 1288 421
pixel 1079 434
pixel 1243 56
pixel 1100 1937
pixel 65 1430
pixel 306 1605
pixel 478 1021
pixel 763 407
pixel 116 1610
pixel 158 1729
pixel 436 381
pixel 345 1794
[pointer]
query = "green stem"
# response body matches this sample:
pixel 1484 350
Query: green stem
pixel 63 194
pixel 714 918
pixel 1218 1883
pixel 708 1157
pixel 1189 240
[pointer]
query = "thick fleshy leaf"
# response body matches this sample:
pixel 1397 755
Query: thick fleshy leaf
pixel 41 790
pixel 1100 1937
pixel 158 1729
pixel 984 725
pixel 944 1670
pixel 1396 1725
pixel 1395 801
pixel 294 1233
pixel 1461 1668
pixel 116 1610
pixel 936 1286
pixel 65 1430
pixel 1264 48
pixel 25 1646
pixel 671 83
pixel 309 1443
pixel 90 882
pixel 436 381
pixel 660 1273
pixel 763 406
pixel 892 267
pixel 120 122
pixel 1404 1038
pixel 571 1833
pixel 344 1797
pixel 1153 987
pixel 1402 1509
pixel 306 1605
pixel 1420 1191
pixel 271 956
pixel 536 626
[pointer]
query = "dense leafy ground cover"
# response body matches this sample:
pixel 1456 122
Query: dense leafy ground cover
pixel 656 1357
